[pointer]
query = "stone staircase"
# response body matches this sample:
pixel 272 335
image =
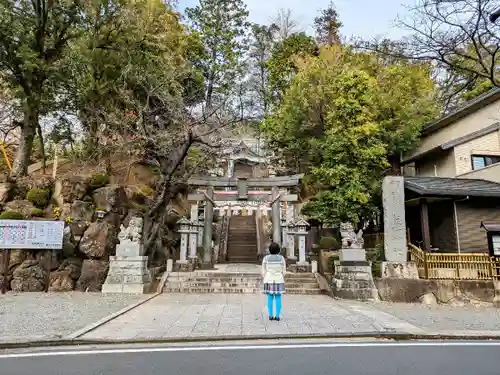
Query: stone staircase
pixel 242 240
pixel 225 282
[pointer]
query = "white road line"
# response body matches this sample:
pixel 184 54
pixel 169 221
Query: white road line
pixel 249 347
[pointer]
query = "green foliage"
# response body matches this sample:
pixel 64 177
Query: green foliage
pixel 143 193
pixel 327 25
pixel 98 180
pixel 283 64
pixel 376 257
pixel 329 243
pixel 34 37
pixel 37 212
pixel 135 73
pixel 88 199
pixel 39 197
pixel 340 121
pixel 12 215
pixel 222 26
pixel 261 46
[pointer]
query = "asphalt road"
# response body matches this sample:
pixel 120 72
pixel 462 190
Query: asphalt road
pixel 346 358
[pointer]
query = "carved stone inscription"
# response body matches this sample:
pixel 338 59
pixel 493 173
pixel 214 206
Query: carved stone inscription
pixel 395 246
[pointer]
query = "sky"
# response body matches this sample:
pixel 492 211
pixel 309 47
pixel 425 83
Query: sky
pixel 361 18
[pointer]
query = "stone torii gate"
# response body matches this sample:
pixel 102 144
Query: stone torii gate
pixel 240 189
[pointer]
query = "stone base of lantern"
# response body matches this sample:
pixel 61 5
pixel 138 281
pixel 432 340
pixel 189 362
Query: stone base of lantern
pixel 299 268
pixel 184 266
pixel 127 274
pixel 354 280
pixel 290 261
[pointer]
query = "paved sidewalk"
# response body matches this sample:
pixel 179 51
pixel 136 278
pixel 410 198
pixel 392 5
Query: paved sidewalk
pixel 173 316
pixel 42 316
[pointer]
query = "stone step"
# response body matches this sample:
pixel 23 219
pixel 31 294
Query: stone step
pixel 303 291
pixel 301 279
pixel 238 290
pixel 214 290
pixel 223 285
pixel 241 243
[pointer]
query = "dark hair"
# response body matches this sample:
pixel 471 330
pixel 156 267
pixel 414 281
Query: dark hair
pixel 274 248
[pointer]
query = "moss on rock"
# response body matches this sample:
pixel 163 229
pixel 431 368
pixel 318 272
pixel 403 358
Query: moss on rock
pixel 39 197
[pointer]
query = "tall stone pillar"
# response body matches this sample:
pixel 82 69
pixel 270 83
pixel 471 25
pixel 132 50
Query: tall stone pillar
pixel 291 241
pixel 194 212
pixel 193 241
pixel 185 229
pixel 395 241
pixel 276 215
pixel 207 233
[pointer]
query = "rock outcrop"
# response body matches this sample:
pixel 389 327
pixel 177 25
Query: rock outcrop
pixel 99 240
pixel 30 276
pixel 24 206
pixel 93 275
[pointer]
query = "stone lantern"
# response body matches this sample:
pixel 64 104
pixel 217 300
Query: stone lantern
pixel 291 231
pixel 284 230
pixel 100 214
pixel 184 229
pixel 301 232
pixel 201 223
pixel 193 240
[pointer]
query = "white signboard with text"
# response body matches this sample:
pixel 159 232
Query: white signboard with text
pixel 31 234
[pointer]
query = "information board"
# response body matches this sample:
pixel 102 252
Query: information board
pixel 31 234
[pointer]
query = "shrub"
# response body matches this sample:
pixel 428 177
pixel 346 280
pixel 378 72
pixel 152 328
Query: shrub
pixel 98 180
pixel 12 215
pixel 88 199
pixel 331 261
pixel 329 243
pixel 147 191
pixel 39 197
pixel 37 212
pixel 376 257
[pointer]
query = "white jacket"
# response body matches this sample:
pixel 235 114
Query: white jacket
pixel 274 269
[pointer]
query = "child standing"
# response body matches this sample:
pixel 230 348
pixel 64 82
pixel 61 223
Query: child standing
pixel 273 272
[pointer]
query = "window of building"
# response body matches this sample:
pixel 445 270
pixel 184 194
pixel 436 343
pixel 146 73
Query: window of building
pixel 481 161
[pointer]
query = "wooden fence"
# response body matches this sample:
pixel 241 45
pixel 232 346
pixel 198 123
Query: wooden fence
pixel 464 266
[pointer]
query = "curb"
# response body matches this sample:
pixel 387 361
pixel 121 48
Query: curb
pixel 187 340
pixel 102 321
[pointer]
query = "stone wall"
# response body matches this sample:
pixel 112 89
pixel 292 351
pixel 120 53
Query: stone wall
pixel 89 241
pixel 455 292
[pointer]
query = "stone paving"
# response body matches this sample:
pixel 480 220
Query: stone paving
pixel 445 318
pixel 188 315
pixel 36 316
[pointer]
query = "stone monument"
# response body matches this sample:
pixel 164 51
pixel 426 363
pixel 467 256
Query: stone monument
pixel 128 271
pixel 396 263
pixel 353 273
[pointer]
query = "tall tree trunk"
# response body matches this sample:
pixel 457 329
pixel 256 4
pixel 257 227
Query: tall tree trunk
pixel 395 161
pixel 155 229
pixel 28 130
pixel 42 147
